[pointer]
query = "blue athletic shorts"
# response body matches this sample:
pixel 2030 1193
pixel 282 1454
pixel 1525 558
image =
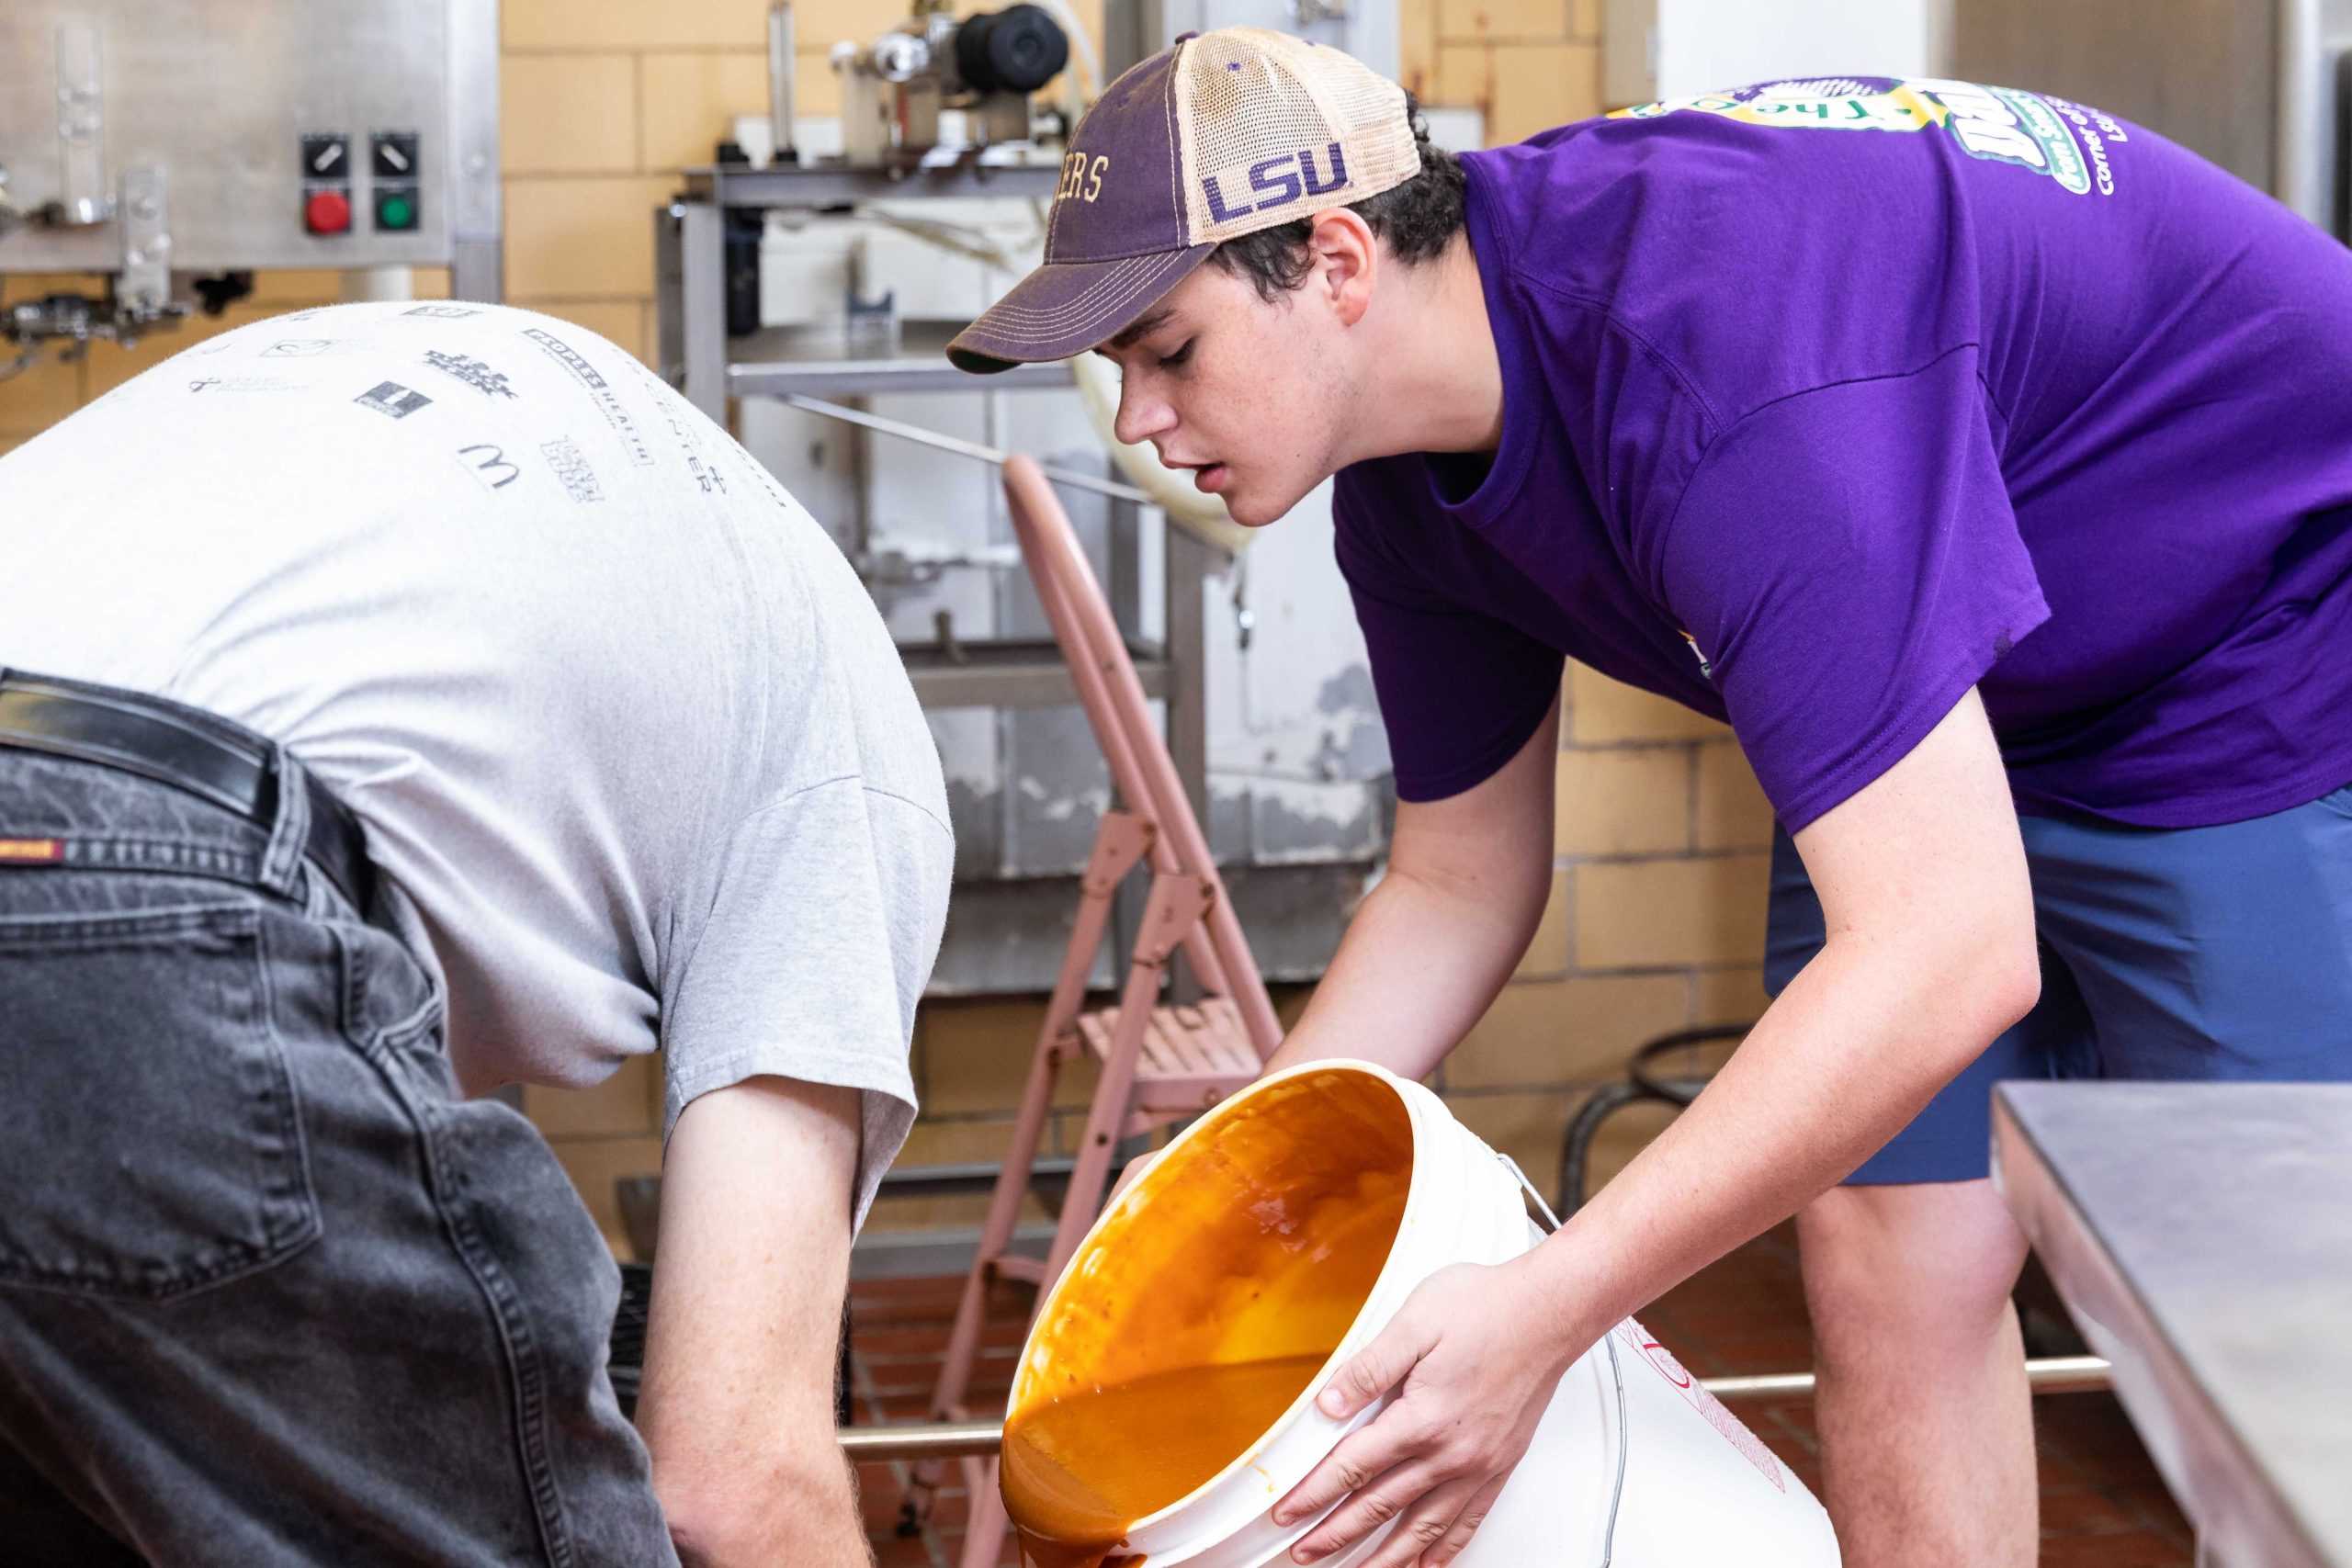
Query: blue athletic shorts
pixel 2185 954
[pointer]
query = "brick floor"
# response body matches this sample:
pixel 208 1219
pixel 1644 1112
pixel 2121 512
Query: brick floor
pixel 2103 1505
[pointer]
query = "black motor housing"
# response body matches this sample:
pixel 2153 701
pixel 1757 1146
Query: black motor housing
pixel 1017 50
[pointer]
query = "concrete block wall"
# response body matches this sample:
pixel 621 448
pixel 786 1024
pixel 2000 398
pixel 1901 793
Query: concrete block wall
pixel 1661 847
pixel 1528 64
pixel 1659 853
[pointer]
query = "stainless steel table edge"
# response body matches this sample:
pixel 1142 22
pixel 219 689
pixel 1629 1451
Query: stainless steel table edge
pixel 2241 1520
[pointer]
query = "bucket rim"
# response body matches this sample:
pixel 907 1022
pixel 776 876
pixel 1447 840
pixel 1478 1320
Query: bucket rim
pixel 1416 1100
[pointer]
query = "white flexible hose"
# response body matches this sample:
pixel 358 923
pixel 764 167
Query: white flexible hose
pixel 959 240
pixel 1172 490
pixel 1082 48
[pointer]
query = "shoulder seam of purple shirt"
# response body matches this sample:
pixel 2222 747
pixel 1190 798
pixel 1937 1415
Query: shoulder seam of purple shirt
pixel 1609 317
pixel 1718 437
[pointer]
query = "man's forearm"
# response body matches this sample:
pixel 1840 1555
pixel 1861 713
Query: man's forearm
pixel 737 1408
pixel 1930 953
pixel 1858 1042
pixel 1419 965
pixel 804 1509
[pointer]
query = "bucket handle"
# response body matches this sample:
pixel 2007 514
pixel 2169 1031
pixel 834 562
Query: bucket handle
pixel 1616 1372
pixel 1550 1219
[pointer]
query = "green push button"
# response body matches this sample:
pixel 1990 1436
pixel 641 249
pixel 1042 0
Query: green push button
pixel 396 209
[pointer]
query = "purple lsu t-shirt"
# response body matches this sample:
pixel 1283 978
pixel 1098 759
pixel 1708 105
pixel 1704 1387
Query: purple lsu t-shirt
pixel 1825 402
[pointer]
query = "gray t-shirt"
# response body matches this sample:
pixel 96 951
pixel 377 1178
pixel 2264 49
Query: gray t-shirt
pixel 621 723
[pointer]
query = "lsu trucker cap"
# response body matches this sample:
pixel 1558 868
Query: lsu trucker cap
pixel 1225 134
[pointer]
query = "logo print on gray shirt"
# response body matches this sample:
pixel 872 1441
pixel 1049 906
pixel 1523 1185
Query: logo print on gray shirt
pixel 242 384
pixel 489 466
pixel 570 464
pixel 608 403
pixel 706 476
pixel 472 372
pixel 392 398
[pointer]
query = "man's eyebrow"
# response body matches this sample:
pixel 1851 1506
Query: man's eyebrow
pixel 1141 329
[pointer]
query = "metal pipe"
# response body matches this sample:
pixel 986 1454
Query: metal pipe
pixel 361 284
pixel 2050 1374
pixel 82 199
pixel 959 1440
pixel 2070 1374
pixel 942 1439
pixel 781 64
pixel 917 434
pixel 2302 150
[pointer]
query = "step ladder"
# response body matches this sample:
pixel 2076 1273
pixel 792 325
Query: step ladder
pixel 1158 1062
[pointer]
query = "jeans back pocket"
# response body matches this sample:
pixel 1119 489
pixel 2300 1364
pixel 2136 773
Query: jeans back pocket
pixel 150 1139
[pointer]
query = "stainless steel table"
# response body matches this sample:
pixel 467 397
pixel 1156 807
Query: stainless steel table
pixel 2201 1234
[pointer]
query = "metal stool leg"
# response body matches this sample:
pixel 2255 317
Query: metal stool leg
pixel 1644 1081
pixel 1576 1147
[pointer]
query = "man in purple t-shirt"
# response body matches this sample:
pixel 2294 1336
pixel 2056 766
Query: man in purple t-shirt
pixel 1985 461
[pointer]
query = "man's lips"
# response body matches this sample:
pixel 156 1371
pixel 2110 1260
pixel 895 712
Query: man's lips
pixel 1207 478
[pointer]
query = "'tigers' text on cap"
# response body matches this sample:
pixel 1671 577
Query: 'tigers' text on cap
pixel 1221 135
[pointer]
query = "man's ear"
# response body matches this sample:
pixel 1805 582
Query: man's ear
pixel 1346 260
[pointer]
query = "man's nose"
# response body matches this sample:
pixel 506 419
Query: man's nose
pixel 1142 413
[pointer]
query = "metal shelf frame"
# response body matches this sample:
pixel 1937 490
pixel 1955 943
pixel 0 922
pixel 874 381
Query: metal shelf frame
pixel 691 347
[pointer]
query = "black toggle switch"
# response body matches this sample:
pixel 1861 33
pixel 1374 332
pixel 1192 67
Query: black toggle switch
pixel 326 157
pixel 392 155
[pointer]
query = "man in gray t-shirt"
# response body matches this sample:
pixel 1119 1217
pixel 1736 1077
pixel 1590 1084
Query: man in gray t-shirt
pixel 635 766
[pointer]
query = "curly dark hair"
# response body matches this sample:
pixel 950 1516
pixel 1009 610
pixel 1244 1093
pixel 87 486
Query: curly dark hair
pixel 1417 220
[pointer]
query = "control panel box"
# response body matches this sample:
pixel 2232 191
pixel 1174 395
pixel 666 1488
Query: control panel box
pixel 334 133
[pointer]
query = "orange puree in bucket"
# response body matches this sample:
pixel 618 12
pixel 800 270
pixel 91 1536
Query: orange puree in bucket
pixel 1204 1308
pixel 1092 1465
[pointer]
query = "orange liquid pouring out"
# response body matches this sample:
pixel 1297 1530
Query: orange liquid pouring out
pixel 1202 1311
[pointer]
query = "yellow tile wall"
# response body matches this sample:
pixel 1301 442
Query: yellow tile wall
pixel 1661 842
pixel 1528 64
pixel 1655 912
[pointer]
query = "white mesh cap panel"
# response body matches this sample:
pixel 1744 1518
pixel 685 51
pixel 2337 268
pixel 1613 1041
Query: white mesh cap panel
pixel 1258 114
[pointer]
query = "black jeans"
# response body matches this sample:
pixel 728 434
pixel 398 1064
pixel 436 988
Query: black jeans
pixel 269 1290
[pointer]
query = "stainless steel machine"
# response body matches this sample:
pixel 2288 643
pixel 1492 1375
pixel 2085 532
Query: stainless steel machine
pixel 986 64
pixel 147 143
pixel 2259 86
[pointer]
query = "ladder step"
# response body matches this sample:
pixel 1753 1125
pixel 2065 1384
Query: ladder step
pixel 1202 1041
pixel 1013 1265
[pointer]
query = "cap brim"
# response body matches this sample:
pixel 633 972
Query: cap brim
pixel 1063 309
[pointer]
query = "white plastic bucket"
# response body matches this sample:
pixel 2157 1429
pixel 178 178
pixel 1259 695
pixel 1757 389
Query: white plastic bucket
pixel 1633 1466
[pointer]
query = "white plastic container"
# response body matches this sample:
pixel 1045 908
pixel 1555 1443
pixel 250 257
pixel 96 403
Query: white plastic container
pixel 1633 1465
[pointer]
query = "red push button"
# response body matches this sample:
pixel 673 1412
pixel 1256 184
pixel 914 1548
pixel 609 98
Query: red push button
pixel 327 212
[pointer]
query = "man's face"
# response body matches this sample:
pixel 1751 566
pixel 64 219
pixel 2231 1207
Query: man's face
pixel 1248 395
